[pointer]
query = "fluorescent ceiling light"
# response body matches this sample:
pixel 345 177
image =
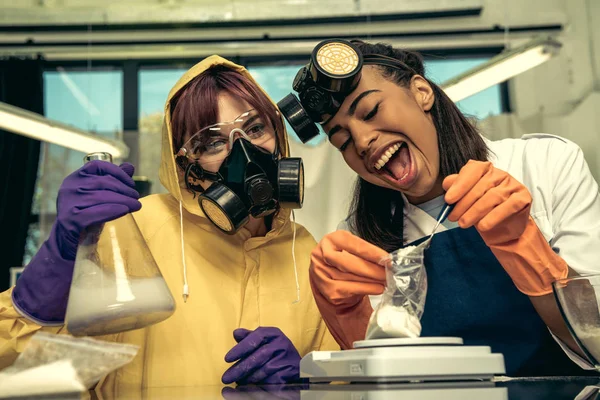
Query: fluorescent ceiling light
pixel 27 123
pixel 501 68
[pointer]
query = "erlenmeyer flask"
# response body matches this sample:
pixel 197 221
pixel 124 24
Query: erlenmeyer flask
pixel 116 285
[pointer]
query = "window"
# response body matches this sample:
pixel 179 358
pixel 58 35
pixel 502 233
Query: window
pixel 481 105
pixel 277 82
pixel 154 87
pixel 87 99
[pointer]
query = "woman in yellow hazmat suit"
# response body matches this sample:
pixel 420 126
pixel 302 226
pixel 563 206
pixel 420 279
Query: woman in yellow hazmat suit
pixel 245 281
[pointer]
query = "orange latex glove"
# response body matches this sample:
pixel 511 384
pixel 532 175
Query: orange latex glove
pixel 498 206
pixel 344 269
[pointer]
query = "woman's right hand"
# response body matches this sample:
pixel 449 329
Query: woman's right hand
pixel 97 192
pixel 344 270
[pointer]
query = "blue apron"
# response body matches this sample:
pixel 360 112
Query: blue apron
pixel 470 295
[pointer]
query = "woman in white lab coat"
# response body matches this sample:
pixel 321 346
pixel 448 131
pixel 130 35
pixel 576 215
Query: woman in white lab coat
pixel 526 213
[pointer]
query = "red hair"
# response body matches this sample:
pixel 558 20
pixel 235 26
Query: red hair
pixel 195 106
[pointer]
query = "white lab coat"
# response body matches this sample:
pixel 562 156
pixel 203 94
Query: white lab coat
pixel 565 207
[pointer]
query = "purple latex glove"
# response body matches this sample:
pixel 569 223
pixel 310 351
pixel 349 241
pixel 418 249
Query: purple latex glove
pixel 96 193
pixel 264 356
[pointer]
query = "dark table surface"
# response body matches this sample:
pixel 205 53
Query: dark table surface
pixel 555 388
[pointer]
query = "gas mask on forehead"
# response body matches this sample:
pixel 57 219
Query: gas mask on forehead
pixel 247 180
pixel 322 85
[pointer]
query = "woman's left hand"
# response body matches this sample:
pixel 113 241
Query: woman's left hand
pixel 498 206
pixel 490 199
pixel 264 356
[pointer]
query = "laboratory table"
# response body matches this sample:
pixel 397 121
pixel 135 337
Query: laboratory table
pixel 555 388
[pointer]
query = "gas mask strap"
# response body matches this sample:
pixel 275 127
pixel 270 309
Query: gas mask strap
pixel 379 59
pixel 277 149
pixel 212 176
pixel 195 171
pixel 191 171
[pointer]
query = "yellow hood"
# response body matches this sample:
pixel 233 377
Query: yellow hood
pixel 170 176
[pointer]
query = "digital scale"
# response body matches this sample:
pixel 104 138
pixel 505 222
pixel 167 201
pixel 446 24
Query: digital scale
pixel 425 359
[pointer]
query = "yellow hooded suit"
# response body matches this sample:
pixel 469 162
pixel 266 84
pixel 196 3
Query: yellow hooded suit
pixel 235 281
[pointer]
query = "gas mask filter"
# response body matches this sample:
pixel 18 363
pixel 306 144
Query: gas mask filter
pixel 247 180
pixel 333 73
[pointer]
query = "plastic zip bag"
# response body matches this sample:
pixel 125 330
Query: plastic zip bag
pixel 54 379
pixel 398 315
pixel 92 359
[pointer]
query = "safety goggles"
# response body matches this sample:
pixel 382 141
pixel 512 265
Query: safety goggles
pixel 212 144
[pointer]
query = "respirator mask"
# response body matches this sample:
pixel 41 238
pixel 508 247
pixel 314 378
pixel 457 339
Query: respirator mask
pixel 333 73
pixel 247 180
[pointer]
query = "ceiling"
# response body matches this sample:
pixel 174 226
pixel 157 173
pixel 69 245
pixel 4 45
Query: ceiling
pixel 67 30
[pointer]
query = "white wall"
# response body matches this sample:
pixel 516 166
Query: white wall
pixel 328 186
pixel 562 96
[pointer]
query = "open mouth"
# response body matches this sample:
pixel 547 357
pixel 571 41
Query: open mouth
pixel 396 164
